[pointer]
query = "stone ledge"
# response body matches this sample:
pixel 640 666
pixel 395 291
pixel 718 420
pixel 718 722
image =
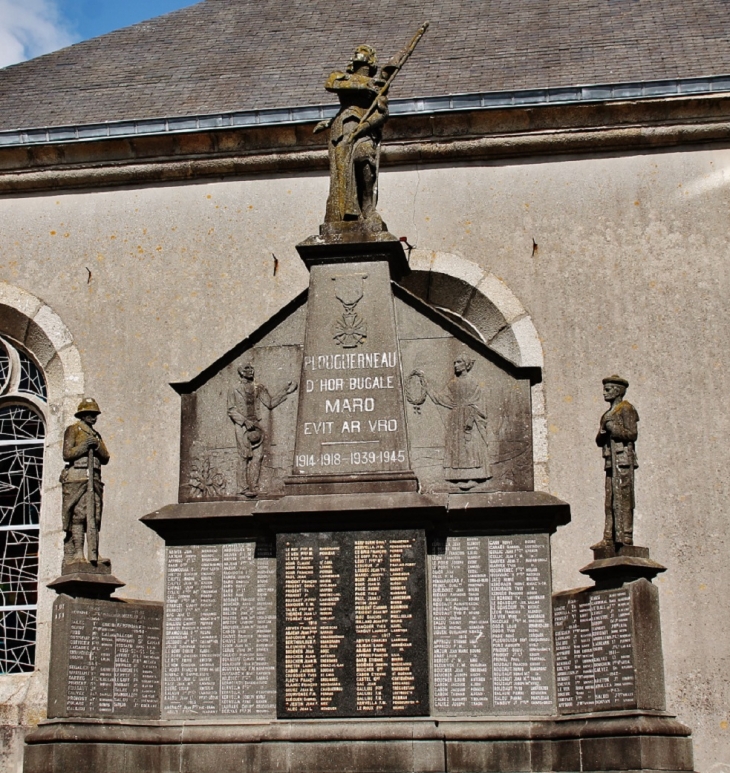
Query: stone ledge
pixel 443 514
pixel 217 730
pixel 453 136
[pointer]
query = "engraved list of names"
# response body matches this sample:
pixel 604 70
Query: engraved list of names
pixel 593 650
pixel 352 624
pixel 220 620
pixel 106 657
pixel 492 648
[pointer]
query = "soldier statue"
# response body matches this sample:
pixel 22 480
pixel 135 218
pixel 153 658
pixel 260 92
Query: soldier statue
pixel 355 135
pixel 84 452
pixel 617 436
pixel 354 144
pixel 244 401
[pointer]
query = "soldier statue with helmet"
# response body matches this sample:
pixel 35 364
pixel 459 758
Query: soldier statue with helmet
pixel 84 452
pixel 355 136
pixel 355 143
pixel 617 437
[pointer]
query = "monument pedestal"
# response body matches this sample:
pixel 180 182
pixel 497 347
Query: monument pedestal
pixel 608 648
pixel 345 244
pixel 614 565
pixel 618 741
pixel 351 426
pixel 385 605
pixel 105 653
pixel 84 579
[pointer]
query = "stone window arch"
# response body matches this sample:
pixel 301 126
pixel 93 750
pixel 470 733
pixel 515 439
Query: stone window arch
pixel 23 401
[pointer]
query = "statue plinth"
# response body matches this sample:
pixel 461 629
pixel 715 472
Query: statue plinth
pixel 614 565
pixel 345 242
pixel 83 579
pixel 351 426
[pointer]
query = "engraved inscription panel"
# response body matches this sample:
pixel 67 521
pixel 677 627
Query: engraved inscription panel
pixel 219 631
pixel 106 657
pixel 351 417
pixel 593 650
pixel 352 624
pixel 492 648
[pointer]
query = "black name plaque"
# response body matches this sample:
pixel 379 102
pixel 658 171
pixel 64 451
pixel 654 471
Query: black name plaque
pixel 352 624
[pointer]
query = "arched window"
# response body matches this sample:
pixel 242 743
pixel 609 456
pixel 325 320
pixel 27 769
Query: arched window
pixel 22 431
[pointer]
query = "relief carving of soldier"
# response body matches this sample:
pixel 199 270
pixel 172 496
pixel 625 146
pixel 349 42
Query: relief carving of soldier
pixel 84 452
pixel 244 409
pixel 465 457
pixel 616 437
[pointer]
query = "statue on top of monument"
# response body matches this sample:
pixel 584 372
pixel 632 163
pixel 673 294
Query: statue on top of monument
pixel 355 134
pixel 617 436
pixel 244 401
pixel 84 452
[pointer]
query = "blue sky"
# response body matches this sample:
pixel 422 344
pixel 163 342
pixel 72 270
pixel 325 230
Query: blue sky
pixel 29 28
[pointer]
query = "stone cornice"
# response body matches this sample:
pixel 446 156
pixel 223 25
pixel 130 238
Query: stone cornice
pixel 628 126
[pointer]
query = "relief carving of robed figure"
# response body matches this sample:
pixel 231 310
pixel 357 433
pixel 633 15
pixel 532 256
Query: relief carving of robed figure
pixel 244 409
pixel 465 453
pixel 617 437
pixel 84 452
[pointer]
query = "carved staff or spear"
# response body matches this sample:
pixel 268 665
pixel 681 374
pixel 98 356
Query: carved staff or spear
pixel 615 488
pixel 394 66
pixel 91 527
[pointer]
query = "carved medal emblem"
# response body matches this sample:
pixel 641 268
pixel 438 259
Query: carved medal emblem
pixel 351 329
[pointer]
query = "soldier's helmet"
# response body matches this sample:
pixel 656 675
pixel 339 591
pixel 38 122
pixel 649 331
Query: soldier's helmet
pixel 87 405
pixel 366 54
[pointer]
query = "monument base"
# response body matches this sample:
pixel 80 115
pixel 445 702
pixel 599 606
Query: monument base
pixel 86 579
pixel 620 741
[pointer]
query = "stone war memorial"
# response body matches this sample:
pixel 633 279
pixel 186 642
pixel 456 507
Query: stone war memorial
pixel 358 565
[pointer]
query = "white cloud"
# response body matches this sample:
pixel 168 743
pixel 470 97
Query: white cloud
pixel 29 28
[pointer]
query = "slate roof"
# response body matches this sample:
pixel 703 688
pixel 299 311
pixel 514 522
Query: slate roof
pixel 232 55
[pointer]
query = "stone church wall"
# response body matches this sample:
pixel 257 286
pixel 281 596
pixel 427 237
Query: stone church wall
pixel 621 263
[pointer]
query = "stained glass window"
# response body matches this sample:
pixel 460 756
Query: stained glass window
pixel 31 377
pixel 4 367
pixel 22 431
